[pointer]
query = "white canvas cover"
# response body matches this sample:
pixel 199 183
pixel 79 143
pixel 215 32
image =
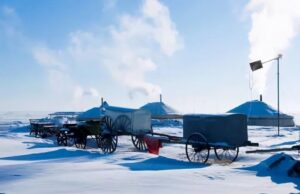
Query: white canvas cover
pixel 140 119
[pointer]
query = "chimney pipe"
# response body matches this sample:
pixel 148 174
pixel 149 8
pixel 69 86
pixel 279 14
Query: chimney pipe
pixel 160 98
pixel 260 98
pixel 101 101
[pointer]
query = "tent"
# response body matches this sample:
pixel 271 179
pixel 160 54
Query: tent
pixel 160 110
pixel 93 113
pixel 261 114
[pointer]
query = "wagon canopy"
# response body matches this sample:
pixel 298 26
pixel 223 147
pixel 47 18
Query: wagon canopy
pixel 228 129
pixel 139 120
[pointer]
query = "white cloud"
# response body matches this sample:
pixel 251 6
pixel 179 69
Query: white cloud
pixel 8 11
pixel 136 40
pixel 164 30
pixel 80 92
pixel 129 50
pixel 49 58
pixel 130 47
pixel 58 66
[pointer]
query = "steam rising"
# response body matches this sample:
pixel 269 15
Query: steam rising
pixel 135 41
pixel 274 25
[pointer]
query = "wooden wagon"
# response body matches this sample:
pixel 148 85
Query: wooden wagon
pixel 223 133
pixel 110 123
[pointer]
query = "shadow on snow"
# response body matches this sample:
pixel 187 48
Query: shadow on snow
pixel 34 145
pixel 57 154
pixel 276 169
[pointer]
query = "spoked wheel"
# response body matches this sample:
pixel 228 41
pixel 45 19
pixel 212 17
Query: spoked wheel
pixel 109 143
pixel 197 148
pixel 107 124
pixel 98 141
pixel 122 123
pixel 80 141
pixel 139 143
pixel 227 154
pixel 31 132
pixel 62 139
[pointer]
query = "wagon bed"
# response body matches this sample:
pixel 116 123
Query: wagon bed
pixel 223 133
pixel 110 123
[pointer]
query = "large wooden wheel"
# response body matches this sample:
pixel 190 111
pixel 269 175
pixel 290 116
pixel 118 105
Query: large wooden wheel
pixel 139 143
pixel 197 148
pixel 98 140
pixel 80 137
pixel 122 124
pixel 62 139
pixel 107 126
pixel 80 142
pixel 227 154
pixel 108 143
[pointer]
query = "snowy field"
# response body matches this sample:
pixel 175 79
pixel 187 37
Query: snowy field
pixel 35 165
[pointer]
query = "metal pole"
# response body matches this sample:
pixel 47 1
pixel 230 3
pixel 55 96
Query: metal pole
pixel 278 114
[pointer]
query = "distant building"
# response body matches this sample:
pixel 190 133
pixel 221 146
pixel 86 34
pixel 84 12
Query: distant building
pixel 261 114
pixel 93 113
pixel 160 110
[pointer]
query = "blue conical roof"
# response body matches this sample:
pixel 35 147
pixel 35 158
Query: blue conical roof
pixel 93 113
pixel 159 109
pixel 256 108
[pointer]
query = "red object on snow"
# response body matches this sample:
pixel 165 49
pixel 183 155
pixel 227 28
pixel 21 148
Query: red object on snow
pixel 153 144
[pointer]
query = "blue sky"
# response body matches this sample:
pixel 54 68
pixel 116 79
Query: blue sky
pixel 66 55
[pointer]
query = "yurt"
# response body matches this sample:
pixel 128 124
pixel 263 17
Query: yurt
pixel 93 113
pixel 160 110
pixel 261 114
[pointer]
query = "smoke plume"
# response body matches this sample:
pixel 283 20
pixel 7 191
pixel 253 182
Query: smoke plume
pixel 274 25
pixel 135 41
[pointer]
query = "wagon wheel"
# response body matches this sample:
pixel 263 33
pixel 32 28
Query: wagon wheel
pixel 62 139
pixel 44 134
pixel 197 148
pixel 80 141
pixel 122 123
pixel 139 143
pixel 227 154
pixel 109 143
pixel 98 141
pixel 32 131
pixel 107 125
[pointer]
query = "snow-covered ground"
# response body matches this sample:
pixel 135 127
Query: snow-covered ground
pixel 35 165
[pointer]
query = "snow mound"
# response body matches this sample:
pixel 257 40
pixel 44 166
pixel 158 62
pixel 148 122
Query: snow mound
pixel 276 166
pixel 161 163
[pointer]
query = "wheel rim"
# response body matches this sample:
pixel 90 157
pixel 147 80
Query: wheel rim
pixel 226 154
pixel 98 140
pixel 139 143
pixel 197 148
pixel 59 139
pixel 80 142
pixel 109 143
pixel 122 124
pixel 62 139
pixel 107 123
